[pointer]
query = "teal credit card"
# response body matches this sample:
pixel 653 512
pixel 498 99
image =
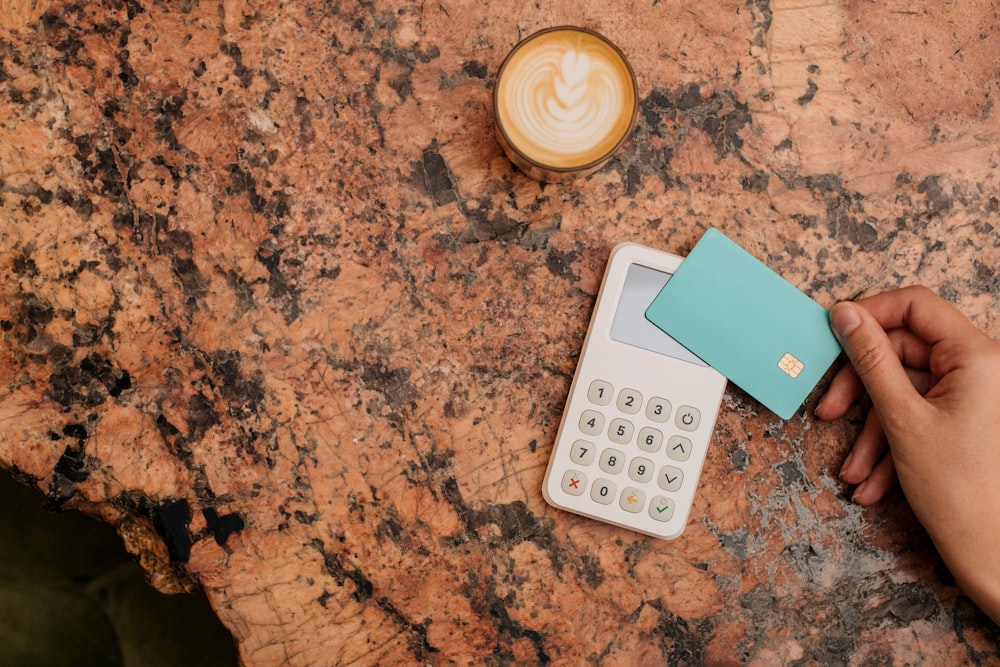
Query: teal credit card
pixel 747 322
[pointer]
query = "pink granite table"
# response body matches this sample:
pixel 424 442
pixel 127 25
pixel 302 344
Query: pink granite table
pixel 275 304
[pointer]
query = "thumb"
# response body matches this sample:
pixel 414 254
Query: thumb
pixel 875 360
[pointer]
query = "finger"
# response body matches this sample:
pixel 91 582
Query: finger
pixel 912 351
pixel 922 381
pixel 877 364
pixel 868 449
pixel 845 388
pixel 922 311
pixel 882 479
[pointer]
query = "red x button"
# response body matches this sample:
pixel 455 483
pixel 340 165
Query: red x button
pixel 573 482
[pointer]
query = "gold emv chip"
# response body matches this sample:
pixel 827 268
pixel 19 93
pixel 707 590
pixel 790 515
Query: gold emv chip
pixel 791 365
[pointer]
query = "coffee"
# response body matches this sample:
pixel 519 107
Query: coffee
pixel 565 100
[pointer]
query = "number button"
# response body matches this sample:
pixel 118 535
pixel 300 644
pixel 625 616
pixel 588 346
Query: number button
pixel 662 508
pixel 650 439
pixel 629 401
pixel 679 448
pixel 600 392
pixel 632 500
pixel 591 422
pixel 574 482
pixel 582 452
pixel 640 469
pixel 688 418
pixel 612 461
pixel 620 431
pixel 670 478
pixel 603 491
pixel 658 409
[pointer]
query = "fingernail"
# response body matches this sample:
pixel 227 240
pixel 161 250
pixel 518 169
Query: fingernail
pixel 844 318
pixel 858 491
pixel 847 464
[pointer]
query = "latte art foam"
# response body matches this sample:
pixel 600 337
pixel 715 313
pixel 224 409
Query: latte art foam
pixel 565 99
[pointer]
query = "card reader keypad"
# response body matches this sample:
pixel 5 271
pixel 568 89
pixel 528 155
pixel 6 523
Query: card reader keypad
pixel 638 420
pixel 631 450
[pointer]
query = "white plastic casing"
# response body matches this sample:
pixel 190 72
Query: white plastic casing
pixel 693 390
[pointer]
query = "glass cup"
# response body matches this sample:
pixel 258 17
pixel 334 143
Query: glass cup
pixel 565 101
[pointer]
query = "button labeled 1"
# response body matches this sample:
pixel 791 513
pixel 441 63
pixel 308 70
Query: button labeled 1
pixel 600 392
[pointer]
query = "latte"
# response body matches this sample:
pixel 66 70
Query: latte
pixel 565 100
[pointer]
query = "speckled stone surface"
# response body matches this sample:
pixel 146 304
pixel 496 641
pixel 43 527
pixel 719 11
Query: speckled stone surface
pixel 275 304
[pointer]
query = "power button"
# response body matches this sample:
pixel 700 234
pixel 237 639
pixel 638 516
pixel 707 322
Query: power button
pixel 687 418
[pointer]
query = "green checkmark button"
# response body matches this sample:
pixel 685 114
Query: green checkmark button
pixel 662 508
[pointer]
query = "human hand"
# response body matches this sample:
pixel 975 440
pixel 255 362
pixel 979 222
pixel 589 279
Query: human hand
pixel 934 382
